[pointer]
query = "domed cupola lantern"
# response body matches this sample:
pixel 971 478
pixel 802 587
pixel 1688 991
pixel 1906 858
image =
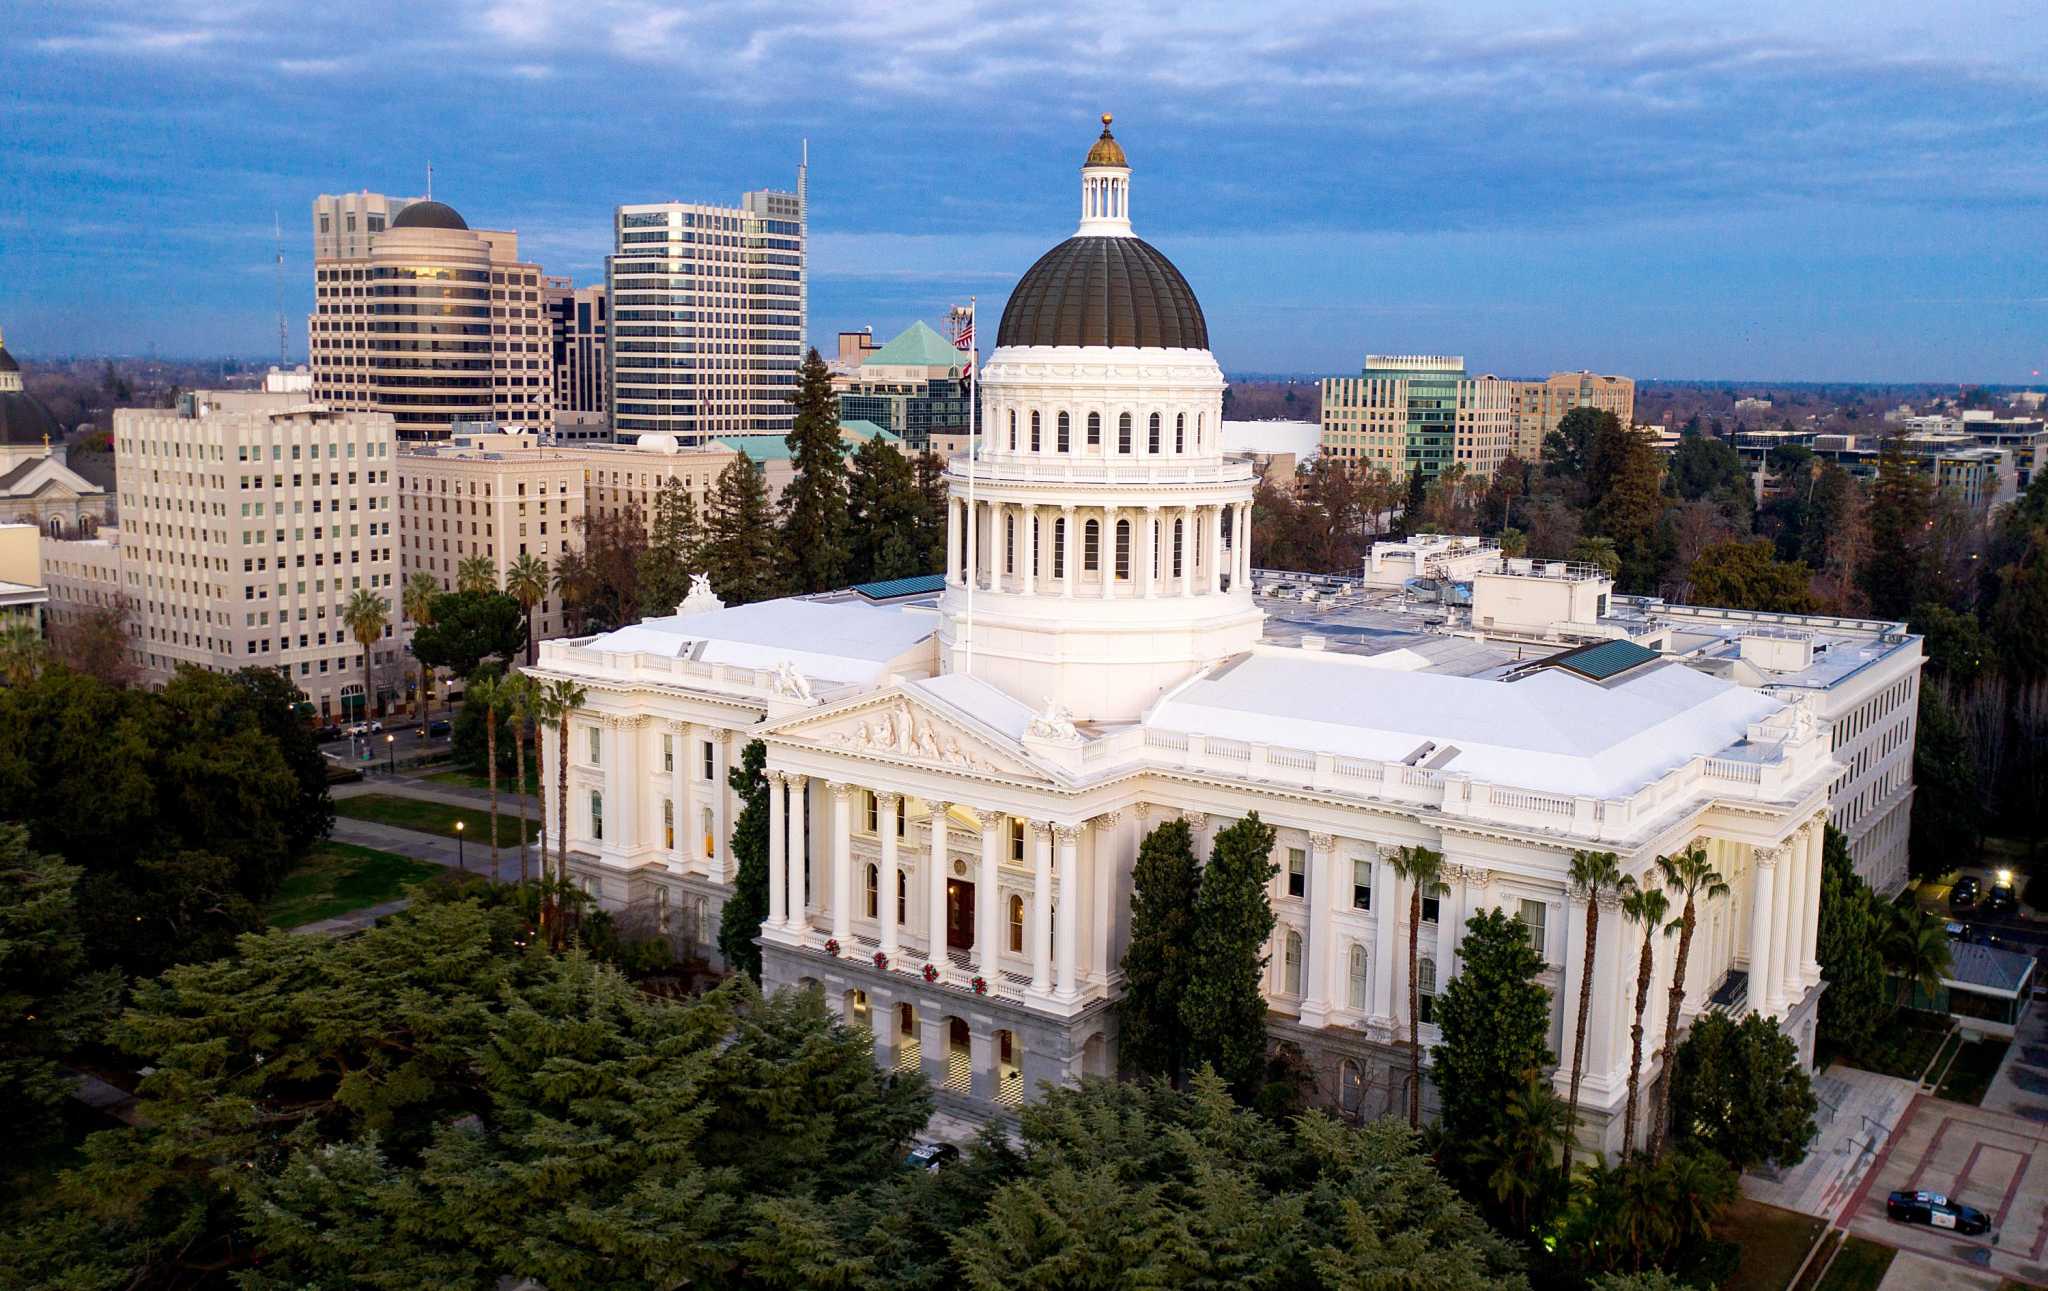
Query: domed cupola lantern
pixel 1105 543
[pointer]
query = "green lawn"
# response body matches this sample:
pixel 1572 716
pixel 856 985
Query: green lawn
pixel 1970 1075
pixel 1819 1261
pixel 470 780
pixel 1860 1266
pixel 1773 1243
pixel 336 878
pixel 432 818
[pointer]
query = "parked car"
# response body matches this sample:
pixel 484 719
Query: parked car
pixel 931 1156
pixel 1936 1211
pixel 325 732
pixel 1963 896
pixel 367 728
pixel 439 726
pixel 2003 900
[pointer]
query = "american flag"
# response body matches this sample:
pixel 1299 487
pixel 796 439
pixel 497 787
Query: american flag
pixel 963 337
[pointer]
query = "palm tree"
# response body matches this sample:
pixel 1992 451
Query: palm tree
pixel 1648 907
pixel 416 598
pixel 1594 876
pixel 1424 869
pixel 488 689
pixel 1534 1125
pixel 367 615
pixel 476 574
pixel 522 698
pixel 560 698
pixel 526 581
pixel 1689 874
pixel 22 654
pixel 1914 945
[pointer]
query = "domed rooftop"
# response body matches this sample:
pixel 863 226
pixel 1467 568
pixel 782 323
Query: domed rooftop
pixel 7 363
pixel 23 418
pixel 1107 151
pixel 429 215
pixel 1117 291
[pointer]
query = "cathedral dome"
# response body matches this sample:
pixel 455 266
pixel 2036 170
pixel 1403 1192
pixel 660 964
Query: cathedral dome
pixel 1095 290
pixel 429 215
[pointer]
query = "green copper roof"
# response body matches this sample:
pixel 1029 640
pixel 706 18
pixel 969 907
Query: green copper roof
pixel 775 448
pixel 1603 659
pixel 866 430
pixel 888 589
pixel 917 346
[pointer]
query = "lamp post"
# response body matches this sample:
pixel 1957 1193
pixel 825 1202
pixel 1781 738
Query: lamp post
pixel 391 751
pixel 460 864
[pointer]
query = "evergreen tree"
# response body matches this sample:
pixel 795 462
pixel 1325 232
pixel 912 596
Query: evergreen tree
pixel 740 552
pixel 1627 504
pixel 814 514
pixel 1747 576
pixel 1740 1089
pixel 1224 1010
pixel 1857 999
pixel 672 548
pixel 740 923
pixel 1414 500
pixel 1494 1018
pixel 932 500
pixel 883 509
pixel 1948 811
pixel 1896 573
pixel 1160 961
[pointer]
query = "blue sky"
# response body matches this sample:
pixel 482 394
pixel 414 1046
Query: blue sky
pixel 1754 191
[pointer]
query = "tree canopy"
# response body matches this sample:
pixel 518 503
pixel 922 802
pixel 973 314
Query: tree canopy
pixel 1224 1009
pixel 1739 1089
pixel 468 628
pixel 1160 960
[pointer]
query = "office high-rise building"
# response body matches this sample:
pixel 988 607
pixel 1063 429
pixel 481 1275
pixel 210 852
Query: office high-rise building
pixel 426 319
pixel 579 319
pixel 707 328
pixel 1405 411
pixel 1539 405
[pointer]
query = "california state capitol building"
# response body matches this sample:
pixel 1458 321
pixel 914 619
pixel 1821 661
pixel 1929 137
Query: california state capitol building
pixel 962 768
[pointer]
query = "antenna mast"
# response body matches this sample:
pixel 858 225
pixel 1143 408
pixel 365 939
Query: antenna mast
pixel 283 344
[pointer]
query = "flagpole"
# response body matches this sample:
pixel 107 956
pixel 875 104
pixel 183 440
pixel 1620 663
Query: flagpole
pixel 973 452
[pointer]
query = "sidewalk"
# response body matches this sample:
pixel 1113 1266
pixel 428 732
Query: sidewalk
pixel 454 795
pixel 432 848
pixel 2021 1085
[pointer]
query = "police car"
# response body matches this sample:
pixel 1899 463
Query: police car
pixel 1936 1211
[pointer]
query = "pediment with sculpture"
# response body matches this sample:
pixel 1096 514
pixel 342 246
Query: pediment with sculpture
pixel 903 728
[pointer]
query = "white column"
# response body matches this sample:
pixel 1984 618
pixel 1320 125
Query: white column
pixel 988 899
pixel 1574 967
pixel 1215 549
pixel 1322 896
pixel 1244 546
pixel 935 889
pixel 954 564
pixel 888 807
pixel 1105 552
pixel 721 814
pixel 1187 552
pixel 1069 547
pixel 842 865
pixel 1809 939
pixel 678 790
pixel 1041 906
pixel 1386 902
pixel 1027 548
pixel 622 780
pixel 778 858
pixel 689 830
pixel 1146 549
pixel 1067 927
pixel 1791 981
pixel 799 851
pixel 1764 868
pixel 1613 992
pixel 1781 925
pixel 1447 924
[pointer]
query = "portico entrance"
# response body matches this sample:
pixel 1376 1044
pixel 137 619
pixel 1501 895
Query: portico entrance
pixel 959 914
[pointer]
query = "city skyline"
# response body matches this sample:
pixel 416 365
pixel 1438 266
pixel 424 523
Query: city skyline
pixel 1642 192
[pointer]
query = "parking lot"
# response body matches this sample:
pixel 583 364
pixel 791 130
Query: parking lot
pixel 1991 1160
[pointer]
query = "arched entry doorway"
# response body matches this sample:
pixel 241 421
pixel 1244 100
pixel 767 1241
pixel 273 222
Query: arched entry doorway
pixel 909 1046
pixel 856 1006
pixel 959 1069
pixel 1009 1069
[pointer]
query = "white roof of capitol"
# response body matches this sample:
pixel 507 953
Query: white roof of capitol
pixel 1550 731
pixel 837 641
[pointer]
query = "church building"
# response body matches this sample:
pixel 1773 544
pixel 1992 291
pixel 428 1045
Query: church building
pixel 962 768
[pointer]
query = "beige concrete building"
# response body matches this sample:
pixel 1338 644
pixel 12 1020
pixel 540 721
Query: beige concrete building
pixel 83 575
pixel 251 519
pixel 1409 411
pixel 344 223
pixel 1539 404
pixel 433 323
pixel 24 594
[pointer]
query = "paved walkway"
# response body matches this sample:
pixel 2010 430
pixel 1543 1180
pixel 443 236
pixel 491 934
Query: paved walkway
pixel 455 795
pixel 1911 1271
pixel 1858 1110
pixel 470 855
pixel 2021 1086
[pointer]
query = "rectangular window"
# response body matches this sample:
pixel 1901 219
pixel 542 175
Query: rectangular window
pixel 871 811
pixel 1297 872
pixel 596 747
pixel 1429 909
pixel 668 753
pixel 1016 840
pixel 1361 885
pixel 596 815
pixel 1534 915
pixel 710 761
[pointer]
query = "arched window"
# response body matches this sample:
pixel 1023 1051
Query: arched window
pixel 668 828
pixel 661 912
pixel 1357 995
pixel 56 526
pixel 710 836
pixel 1034 430
pixel 873 892
pixel 596 815
pixel 1177 526
pixel 1017 925
pixel 1094 429
pixel 1064 442
pixel 1010 544
pixel 1123 549
pixel 1059 548
pixel 902 896
pixel 1293 962
pixel 1091 546
pixel 1350 1088
pixel 1013 430
pixel 1425 989
pixel 1198 432
pixel 1180 432
pixel 1123 432
pixel 1152 436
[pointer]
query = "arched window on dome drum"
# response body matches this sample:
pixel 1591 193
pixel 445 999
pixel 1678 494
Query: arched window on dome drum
pixel 1152 437
pixel 1034 430
pixel 1017 925
pixel 1176 547
pixel 1059 548
pixel 1013 430
pixel 1198 432
pixel 1123 549
pixel 1063 443
pixel 1091 546
pixel 1009 544
pixel 1123 432
pixel 1094 430
pixel 1180 432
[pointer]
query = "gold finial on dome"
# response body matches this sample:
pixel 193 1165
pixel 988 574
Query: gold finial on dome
pixel 1107 151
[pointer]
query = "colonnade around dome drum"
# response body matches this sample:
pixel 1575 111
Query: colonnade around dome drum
pixel 1106 551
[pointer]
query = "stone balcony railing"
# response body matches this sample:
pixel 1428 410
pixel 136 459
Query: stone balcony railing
pixel 1022 468
pixel 640 668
